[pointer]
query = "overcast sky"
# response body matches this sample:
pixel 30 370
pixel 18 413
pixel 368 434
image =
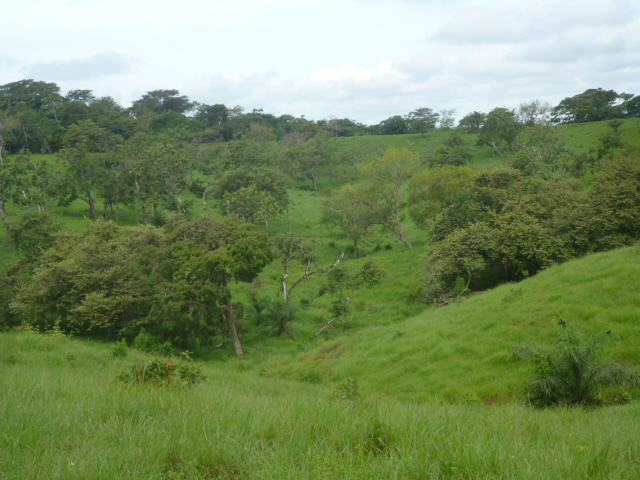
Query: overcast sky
pixel 362 59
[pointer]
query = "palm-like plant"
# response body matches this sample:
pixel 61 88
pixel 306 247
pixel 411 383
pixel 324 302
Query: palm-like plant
pixel 572 371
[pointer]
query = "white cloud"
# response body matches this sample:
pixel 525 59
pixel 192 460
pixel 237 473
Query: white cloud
pixel 98 65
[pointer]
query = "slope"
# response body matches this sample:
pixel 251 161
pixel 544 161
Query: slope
pixel 462 352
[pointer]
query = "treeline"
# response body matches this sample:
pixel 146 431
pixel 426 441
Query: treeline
pixel 36 116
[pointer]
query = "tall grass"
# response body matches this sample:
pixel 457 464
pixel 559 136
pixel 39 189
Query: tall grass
pixel 64 416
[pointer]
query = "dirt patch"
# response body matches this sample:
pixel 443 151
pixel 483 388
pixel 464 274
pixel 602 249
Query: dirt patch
pixel 323 354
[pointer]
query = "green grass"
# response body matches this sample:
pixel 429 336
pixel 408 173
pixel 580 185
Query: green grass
pixel 64 416
pixel 461 352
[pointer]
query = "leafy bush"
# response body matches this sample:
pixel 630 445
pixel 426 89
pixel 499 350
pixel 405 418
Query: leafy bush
pixel 119 349
pixel 162 371
pixel 347 390
pixel 572 372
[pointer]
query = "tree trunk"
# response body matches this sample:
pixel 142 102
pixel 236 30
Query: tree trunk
pixel 234 329
pixel 92 206
pixel 5 221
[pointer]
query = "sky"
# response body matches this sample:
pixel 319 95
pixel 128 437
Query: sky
pixel 366 60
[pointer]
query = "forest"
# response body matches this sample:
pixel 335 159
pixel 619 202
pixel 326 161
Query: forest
pixel 326 258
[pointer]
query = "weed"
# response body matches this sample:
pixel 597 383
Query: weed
pixel 161 371
pixel 119 349
pixel 347 390
pixel 311 376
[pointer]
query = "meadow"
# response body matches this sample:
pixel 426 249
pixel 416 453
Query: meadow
pixel 66 416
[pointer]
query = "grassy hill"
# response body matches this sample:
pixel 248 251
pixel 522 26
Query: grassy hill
pixel 461 352
pixel 65 415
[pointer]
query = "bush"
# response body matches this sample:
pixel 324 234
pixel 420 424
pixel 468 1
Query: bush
pixel 162 372
pixel 572 372
pixel 119 349
pixel 311 376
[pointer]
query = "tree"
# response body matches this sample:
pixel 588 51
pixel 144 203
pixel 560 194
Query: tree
pixel 431 192
pixel 500 130
pixel 200 261
pixel 472 122
pixel 456 155
pixel 84 172
pixel 160 167
pixel 395 125
pixel 534 112
pixel 95 282
pixel 572 372
pixel 613 205
pixel 342 285
pixel 592 105
pixel 447 119
pixel 8 125
pixel 383 180
pixel 34 232
pixel 422 120
pixel 251 204
pixel 316 151
pixel 345 212
pixel 161 101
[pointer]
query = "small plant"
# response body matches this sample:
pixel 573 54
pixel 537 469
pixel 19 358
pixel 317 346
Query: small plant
pixel 347 390
pixel 119 349
pixel 311 376
pixel 162 372
pixel 572 372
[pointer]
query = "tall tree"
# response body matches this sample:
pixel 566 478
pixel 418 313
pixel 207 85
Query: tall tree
pixel 422 120
pixel 592 105
pixel 500 130
pixel 384 179
pixel 201 260
pixel 348 215
pixel 472 122
pixel 161 101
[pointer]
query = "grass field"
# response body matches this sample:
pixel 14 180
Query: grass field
pixel 65 416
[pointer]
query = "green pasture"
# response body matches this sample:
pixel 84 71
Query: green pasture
pixel 66 416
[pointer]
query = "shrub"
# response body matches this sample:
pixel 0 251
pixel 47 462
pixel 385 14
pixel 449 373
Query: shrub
pixel 572 372
pixel 119 349
pixel 311 376
pixel 347 390
pixel 162 371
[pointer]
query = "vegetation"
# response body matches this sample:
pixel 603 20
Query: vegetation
pixel 304 263
pixel 571 373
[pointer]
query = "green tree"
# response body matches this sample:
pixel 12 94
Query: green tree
pixel 33 232
pixel 592 105
pixel 161 101
pixel 534 112
pixel 395 125
pixel 84 171
pixel 199 262
pixel 500 130
pixel 447 119
pixel 431 192
pixel 383 180
pixel 348 215
pixel 472 122
pixel 342 285
pixel 572 372
pixel 95 282
pixel 422 120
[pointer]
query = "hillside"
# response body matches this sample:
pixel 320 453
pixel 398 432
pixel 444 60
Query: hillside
pixel 461 352
pixel 66 416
